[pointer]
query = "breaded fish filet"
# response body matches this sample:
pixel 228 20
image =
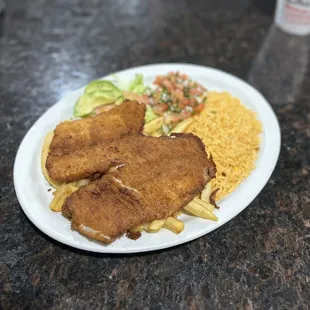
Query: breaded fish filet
pixel 156 177
pixel 125 119
pixel 99 158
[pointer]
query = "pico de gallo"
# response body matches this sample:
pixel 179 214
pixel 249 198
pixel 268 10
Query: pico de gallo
pixel 176 97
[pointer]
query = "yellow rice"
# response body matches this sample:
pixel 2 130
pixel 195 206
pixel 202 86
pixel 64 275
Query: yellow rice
pixel 231 133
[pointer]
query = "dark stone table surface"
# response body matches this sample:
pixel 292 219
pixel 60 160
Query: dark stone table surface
pixel 261 258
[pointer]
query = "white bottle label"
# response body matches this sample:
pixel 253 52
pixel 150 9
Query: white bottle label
pixel 293 16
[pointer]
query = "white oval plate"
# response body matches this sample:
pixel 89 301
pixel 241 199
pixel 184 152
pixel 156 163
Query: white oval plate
pixel 32 188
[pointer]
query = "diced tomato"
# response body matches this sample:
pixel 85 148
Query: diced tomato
pixel 103 108
pixel 147 99
pixel 133 96
pixel 158 80
pixel 160 108
pixel 173 118
pixel 194 91
pixel 168 85
pixel 164 106
pixel 199 108
pixel 179 86
pixel 185 114
pixel 182 104
pixel 193 102
pixel 179 94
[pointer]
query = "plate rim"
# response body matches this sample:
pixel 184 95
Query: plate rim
pixel 189 237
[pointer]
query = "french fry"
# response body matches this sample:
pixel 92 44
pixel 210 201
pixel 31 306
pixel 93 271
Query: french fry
pixel 82 182
pixel 137 229
pixel 155 226
pixel 207 205
pixel 61 194
pixel 178 213
pixel 44 154
pixel 199 210
pixel 145 226
pixel 205 194
pixel 153 125
pixel 181 127
pixel 157 133
pixel 174 225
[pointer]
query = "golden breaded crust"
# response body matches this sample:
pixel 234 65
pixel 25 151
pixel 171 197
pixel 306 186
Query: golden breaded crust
pixel 98 159
pixel 125 119
pixel 156 178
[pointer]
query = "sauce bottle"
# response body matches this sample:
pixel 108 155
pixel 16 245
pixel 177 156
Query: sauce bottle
pixel 293 16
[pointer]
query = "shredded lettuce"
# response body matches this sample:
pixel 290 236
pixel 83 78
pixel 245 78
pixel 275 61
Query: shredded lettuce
pixel 137 85
pixel 150 115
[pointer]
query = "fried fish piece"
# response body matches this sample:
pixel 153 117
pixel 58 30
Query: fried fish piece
pixel 124 119
pixel 155 178
pixel 100 158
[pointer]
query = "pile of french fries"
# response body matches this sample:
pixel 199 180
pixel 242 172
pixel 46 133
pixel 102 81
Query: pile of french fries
pixel 154 128
pixel 200 206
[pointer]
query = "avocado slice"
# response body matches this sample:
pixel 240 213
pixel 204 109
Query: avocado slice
pixel 102 86
pixel 89 101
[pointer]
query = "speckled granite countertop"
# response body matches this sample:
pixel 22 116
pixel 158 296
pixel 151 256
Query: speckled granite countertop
pixel 260 259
